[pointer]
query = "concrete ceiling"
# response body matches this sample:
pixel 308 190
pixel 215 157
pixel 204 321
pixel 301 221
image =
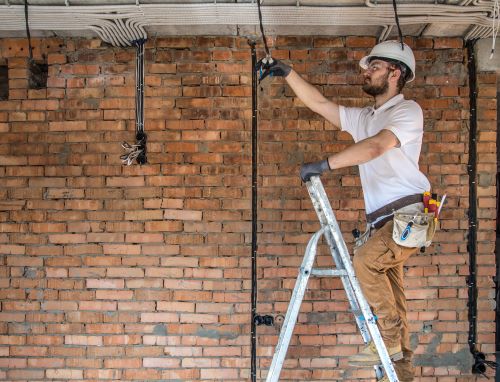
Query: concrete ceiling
pixel 120 22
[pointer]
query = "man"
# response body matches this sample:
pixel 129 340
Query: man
pixel 388 139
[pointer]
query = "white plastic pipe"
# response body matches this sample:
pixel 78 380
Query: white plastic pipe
pixel 121 24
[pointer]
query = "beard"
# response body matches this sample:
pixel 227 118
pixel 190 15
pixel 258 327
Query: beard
pixel 377 89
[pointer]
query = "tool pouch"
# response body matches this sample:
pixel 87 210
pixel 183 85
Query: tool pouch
pixel 421 230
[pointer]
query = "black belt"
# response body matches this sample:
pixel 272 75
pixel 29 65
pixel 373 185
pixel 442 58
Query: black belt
pixel 388 210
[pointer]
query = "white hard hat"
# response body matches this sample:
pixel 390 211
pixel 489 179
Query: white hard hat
pixel 392 49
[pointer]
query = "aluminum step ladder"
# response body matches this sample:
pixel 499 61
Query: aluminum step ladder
pixel 365 319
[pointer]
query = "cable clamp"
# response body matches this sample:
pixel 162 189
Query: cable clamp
pixel 134 152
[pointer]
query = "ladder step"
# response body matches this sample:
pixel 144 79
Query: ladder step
pixel 329 272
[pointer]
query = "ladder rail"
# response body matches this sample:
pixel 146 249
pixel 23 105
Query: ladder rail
pixel 293 309
pixel 365 321
pixel 326 216
pixel 355 308
pixel 318 194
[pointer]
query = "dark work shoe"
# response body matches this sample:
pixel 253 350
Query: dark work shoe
pixel 369 355
pixel 404 370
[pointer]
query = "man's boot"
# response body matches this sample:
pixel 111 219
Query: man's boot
pixel 369 355
pixel 404 370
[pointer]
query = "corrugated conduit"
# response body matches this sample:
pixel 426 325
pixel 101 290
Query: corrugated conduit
pixel 120 25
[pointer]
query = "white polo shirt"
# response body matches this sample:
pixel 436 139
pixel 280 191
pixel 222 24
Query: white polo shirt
pixel 395 173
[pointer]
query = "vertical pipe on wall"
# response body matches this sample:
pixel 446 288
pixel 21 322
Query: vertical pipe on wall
pixel 471 169
pixel 253 370
pixel 497 252
pixel 480 362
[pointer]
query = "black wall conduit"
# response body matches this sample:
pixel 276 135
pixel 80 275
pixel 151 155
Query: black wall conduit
pixel 138 150
pixel 253 370
pixel 480 362
pixel 256 319
pixel 497 251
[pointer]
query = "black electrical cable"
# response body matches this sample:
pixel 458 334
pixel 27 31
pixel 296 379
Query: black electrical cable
pixel 38 72
pixel 28 29
pixel 397 23
pixel 253 368
pixel 262 29
pixel 140 136
pixel 139 78
pixel 471 169
pixel 480 362
pixel 138 151
pixel 497 254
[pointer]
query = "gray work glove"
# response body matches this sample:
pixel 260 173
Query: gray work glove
pixel 313 169
pixel 269 66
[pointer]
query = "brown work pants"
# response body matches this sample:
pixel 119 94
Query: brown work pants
pixel 379 268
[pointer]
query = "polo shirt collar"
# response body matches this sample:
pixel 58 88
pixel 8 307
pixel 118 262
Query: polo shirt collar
pixel 393 101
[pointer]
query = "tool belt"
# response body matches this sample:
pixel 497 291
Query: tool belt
pixel 384 214
pixel 413 228
pixel 378 218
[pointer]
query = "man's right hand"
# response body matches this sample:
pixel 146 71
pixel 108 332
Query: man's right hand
pixel 269 66
pixel 313 169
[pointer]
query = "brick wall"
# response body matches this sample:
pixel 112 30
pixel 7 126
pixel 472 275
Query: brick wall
pixel 143 273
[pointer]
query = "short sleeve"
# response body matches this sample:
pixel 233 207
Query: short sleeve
pixel 349 120
pixel 407 123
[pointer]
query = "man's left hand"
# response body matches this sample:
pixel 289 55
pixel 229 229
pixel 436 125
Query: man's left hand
pixel 269 66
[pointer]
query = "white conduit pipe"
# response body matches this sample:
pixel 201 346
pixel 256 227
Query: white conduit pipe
pixel 126 31
pixel 465 3
pixel 232 15
pixel 246 15
pixel 478 32
pixel 385 33
pixel 119 25
pixel 108 26
pixel 138 27
pixel 482 6
pixel 98 32
pixel 483 2
pixel 113 33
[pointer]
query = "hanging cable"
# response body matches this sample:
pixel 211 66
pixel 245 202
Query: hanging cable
pixel 30 49
pixel 495 26
pixel 264 64
pixel 38 73
pixel 138 150
pixel 397 23
pixel 262 30
pixel 480 362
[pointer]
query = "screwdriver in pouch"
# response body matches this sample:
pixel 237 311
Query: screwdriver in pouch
pixel 407 230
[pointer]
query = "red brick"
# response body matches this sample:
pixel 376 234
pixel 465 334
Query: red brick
pixel 67 238
pixel 30 375
pixel 162 68
pixel 159 317
pixel 103 374
pixel 446 43
pixel 113 295
pixel 129 363
pixel 64 374
pixel 360 42
pixel 68 126
pixel 83 340
pixel 97 305
pixel 182 215
pixel 105 283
